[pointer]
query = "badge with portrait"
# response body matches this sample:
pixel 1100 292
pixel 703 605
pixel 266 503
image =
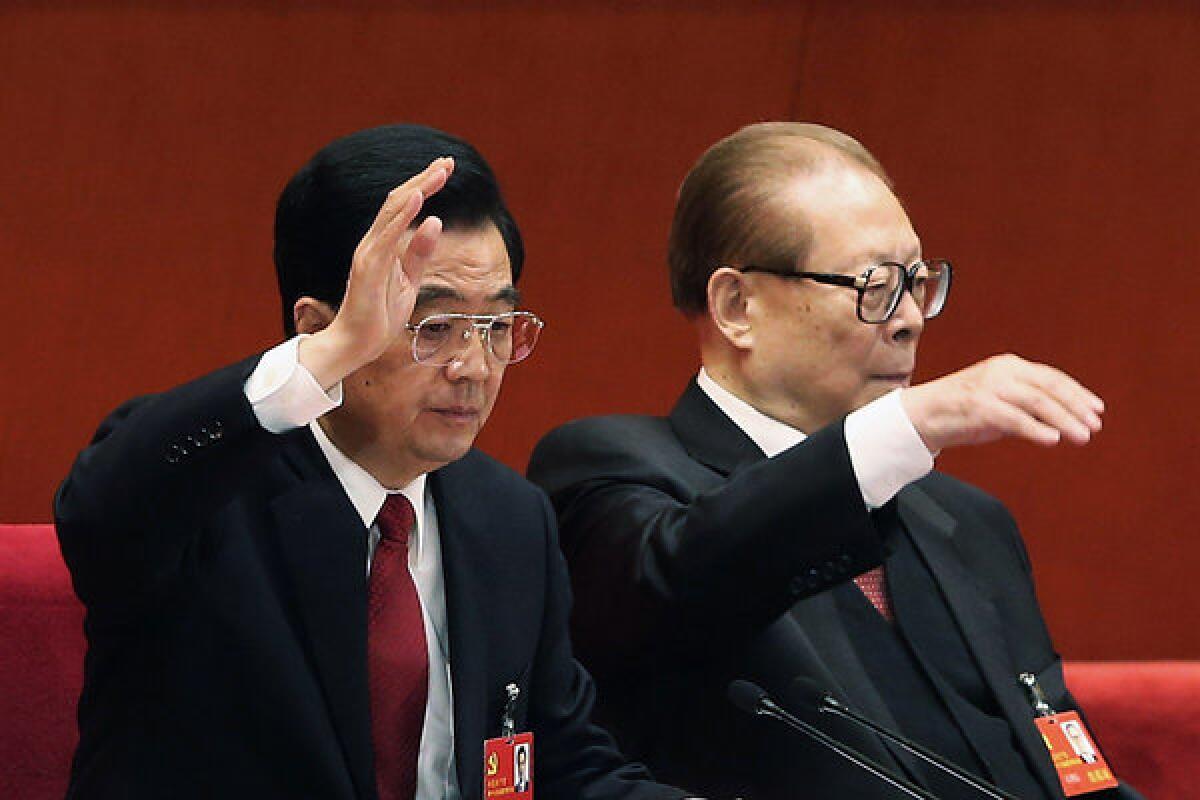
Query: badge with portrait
pixel 1080 766
pixel 508 767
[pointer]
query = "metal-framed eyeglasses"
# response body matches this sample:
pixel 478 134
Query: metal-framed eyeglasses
pixel 881 287
pixel 442 339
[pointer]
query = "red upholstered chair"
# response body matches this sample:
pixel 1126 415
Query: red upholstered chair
pixel 41 659
pixel 1146 715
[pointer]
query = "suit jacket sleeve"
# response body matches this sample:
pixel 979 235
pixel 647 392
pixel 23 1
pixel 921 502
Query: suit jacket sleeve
pixel 156 465
pixel 668 553
pixel 573 757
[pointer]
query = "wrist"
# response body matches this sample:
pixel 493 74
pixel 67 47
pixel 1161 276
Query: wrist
pixel 916 405
pixel 329 357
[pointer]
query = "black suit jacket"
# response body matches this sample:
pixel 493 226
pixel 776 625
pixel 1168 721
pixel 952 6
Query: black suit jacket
pixel 695 561
pixel 224 573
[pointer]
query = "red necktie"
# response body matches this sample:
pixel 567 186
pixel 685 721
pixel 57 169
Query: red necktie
pixel 874 585
pixel 397 658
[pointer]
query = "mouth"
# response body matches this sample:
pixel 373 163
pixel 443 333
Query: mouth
pixel 457 415
pixel 895 378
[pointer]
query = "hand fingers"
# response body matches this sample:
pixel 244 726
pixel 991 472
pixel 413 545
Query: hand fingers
pixel 403 271
pixel 1014 420
pixel 411 266
pixel 397 208
pixel 1072 394
pixel 431 180
pixel 434 177
pixel 1003 396
pixel 1048 409
pixel 424 238
pixel 387 240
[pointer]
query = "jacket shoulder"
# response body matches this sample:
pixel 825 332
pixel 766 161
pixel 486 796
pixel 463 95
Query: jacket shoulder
pixel 958 496
pixel 622 450
pixel 631 434
pixel 988 528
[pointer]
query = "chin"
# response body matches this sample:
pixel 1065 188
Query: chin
pixel 871 394
pixel 444 452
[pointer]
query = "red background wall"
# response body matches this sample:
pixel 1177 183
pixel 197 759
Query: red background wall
pixel 1049 149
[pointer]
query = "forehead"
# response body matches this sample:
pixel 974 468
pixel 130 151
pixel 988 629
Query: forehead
pixel 853 217
pixel 469 265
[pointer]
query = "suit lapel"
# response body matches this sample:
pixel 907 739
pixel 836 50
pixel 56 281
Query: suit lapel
pixel 461 525
pixel 846 678
pixel 933 531
pixel 811 637
pixel 324 546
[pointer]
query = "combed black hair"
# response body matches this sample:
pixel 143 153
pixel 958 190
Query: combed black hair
pixel 329 205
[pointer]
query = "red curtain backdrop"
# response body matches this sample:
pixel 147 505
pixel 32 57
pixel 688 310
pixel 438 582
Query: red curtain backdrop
pixel 1048 148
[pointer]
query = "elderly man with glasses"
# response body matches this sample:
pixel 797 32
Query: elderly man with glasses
pixel 301 580
pixel 784 521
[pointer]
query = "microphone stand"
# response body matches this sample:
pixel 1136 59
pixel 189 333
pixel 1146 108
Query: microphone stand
pixel 828 704
pixel 763 705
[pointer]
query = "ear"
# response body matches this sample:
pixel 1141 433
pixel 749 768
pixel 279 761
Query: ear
pixel 310 315
pixel 728 301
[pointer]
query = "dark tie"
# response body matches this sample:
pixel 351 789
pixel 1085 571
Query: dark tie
pixel 398 661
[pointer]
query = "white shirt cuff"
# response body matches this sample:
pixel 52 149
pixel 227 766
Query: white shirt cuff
pixel 284 394
pixel 886 451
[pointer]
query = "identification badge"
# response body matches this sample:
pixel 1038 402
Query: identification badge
pixel 508 767
pixel 1080 766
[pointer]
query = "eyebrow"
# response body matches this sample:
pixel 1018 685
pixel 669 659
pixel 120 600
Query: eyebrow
pixel 879 257
pixel 430 294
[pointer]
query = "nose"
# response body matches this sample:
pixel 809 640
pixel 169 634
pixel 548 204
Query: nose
pixel 474 361
pixel 908 320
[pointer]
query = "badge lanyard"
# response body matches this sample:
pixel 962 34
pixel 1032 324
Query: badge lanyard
pixel 1077 760
pixel 508 760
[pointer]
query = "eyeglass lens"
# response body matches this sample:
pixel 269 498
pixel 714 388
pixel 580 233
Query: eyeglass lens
pixel 510 338
pixel 885 287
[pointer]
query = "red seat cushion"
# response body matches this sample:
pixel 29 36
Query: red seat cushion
pixel 1146 717
pixel 41 659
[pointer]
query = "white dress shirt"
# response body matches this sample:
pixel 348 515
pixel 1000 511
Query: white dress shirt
pixel 886 452
pixel 285 395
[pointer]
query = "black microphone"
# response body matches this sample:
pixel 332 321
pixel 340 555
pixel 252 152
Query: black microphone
pixel 811 694
pixel 753 699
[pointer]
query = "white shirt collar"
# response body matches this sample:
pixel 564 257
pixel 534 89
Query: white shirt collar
pixel 771 435
pixel 366 493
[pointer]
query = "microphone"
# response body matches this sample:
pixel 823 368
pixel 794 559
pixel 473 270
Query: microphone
pixel 753 699
pixel 811 694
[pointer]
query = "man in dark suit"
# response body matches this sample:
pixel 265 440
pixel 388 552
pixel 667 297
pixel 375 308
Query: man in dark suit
pixel 721 542
pixel 300 580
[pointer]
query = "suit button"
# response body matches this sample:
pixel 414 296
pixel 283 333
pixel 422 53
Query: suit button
pixel 802 584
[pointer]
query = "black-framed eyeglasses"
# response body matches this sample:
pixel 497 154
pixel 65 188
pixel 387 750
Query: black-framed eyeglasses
pixel 441 339
pixel 881 287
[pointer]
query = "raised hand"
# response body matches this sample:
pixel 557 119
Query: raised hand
pixel 1000 397
pixel 384 278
